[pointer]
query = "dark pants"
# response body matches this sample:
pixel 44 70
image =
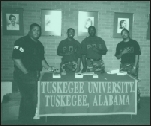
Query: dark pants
pixel 27 85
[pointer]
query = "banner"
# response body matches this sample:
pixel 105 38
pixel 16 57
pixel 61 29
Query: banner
pixel 86 98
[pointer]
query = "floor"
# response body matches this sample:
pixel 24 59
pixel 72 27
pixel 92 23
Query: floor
pixel 142 118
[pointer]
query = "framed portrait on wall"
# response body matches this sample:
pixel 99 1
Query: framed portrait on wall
pixel 12 23
pixel 86 19
pixel 122 21
pixel 51 22
pixel 148 29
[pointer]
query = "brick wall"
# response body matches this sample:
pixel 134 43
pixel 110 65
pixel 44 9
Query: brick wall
pixel 106 9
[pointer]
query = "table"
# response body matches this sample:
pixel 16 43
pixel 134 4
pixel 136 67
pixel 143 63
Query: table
pixel 70 96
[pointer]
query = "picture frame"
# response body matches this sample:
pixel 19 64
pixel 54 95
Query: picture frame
pixel 121 21
pixel 148 29
pixel 12 23
pixel 86 19
pixel 51 22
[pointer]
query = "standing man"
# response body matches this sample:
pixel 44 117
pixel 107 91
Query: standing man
pixel 93 48
pixel 28 57
pixel 71 52
pixel 128 51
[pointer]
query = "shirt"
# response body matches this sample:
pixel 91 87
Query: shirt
pixel 30 52
pixel 11 27
pixel 134 50
pixel 89 46
pixel 66 46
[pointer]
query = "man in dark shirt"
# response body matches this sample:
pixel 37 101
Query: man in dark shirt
pixel 92 49
pixel 128 51
pixel 71 52
pixel 28 57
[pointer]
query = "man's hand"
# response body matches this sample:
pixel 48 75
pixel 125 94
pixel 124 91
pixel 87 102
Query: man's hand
pixel 51 68
pixel 95 49
pixel 25 72
pixel 78 69
pixel 133 70
pixel 20 65
pixel 83 70
pixel 127 50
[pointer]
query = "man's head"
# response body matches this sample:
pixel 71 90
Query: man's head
pixel 70 33
pixel 125 33
pixel 12 19
pixel 92 31
pixel 35 31
pixel 122 24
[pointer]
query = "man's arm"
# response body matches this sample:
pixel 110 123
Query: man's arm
pixel 135 64
pixel 44 62
pixel 122 53
pixel 84 63
pixel 46 65
pixel 126 50
pixel 136 60
pixel 119 56
pixel 78 65
pixel 102 48
pixel 83 54
pixel 78 53
pixel 20 65
pixel 137 52
pixel 60 50
pixel 17 54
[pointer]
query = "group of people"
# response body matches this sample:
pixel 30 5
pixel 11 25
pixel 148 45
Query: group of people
pixel 90 52
pixel 28 56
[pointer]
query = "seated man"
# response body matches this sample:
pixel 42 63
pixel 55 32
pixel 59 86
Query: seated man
pixel 70 50
pixel 128 51
pixel 92 49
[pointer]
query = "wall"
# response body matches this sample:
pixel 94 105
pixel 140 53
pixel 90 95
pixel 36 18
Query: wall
pixel 106 9
pixel 6 87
